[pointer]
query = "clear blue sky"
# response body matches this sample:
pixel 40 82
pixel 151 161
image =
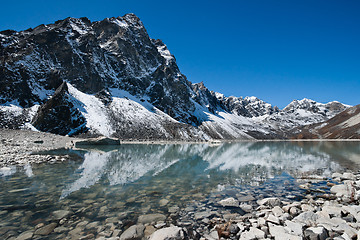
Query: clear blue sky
pixel 277 50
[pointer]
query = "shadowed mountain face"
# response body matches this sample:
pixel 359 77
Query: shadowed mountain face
pixel 119 82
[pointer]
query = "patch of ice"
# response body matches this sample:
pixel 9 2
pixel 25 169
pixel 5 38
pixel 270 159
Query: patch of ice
pixel 28 170
pixel 223 123
pixel 7 171
pixel 75 27
pixel 12 108
pixel 40 91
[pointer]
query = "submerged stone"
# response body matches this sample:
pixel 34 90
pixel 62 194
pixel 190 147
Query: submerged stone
pixel 46 230
pixel 150 218
pixel 134 232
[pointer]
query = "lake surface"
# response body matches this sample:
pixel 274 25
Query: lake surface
pixel 136 179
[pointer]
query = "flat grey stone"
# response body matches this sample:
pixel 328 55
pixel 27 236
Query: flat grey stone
pixel 272 202
pixel 271 218
pixel 163 202
pixel 25 235
pixel 307 218
pixel 133 232
pixel 173 233
pixel 150 218
pixel 60 214
pixel 277 211
pixel 295 228
pixel 253 233
pixel 97 141
pixel 46 230
pixel 316 233
pixel 280 233
pixel 247 198
pixel 229 202
pixel 246 207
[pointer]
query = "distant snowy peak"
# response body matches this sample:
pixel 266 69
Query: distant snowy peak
pixel 326 109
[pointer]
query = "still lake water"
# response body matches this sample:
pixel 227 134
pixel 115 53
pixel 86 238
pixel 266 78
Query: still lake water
pixel 133 179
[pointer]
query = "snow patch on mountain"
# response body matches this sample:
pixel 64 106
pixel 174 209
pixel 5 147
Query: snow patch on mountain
pixel 165 53
pixel 93 110
pixel 223 124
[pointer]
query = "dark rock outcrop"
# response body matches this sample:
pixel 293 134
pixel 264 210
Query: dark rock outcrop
pixel 59 115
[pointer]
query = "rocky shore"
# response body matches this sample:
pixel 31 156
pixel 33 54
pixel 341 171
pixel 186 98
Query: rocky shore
pixel 17 146
pixel 319 216
pixel 325 211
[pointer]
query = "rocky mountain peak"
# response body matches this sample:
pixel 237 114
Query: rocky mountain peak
pixel 249 106
pixel 328 109
pixel 92 56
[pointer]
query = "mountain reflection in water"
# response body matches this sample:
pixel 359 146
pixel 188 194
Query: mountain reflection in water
pixel 194 164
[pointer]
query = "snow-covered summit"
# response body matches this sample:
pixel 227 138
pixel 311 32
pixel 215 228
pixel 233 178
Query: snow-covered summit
pixel 326 109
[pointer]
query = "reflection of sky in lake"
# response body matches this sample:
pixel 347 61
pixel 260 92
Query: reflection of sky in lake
pixel 241 163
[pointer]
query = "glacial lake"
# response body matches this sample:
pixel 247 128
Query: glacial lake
pixel 136 179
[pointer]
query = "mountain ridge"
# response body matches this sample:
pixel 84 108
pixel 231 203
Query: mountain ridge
pixel 113 63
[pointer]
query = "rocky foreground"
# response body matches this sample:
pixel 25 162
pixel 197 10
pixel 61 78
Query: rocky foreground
pixel 322 214
pixel 335 215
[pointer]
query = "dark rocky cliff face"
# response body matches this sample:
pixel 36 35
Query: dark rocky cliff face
pixel 59 115
pixel 93 56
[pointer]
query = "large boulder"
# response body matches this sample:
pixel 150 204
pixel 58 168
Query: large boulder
pixel 97 141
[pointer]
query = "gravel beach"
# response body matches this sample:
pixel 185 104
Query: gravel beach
pixel 16 146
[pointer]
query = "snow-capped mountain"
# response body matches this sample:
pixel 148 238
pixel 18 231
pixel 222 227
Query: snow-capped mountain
pixel 110 78
pixel 300 113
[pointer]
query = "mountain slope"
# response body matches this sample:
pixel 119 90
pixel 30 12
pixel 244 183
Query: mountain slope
pixel 345 125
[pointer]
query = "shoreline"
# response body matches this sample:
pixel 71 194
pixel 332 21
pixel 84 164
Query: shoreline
pixel 17 147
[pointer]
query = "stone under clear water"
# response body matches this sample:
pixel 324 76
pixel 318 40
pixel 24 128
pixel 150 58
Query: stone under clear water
pixel 117 185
